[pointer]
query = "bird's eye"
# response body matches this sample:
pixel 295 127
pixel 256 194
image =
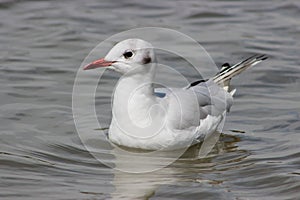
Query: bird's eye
pixel 128 54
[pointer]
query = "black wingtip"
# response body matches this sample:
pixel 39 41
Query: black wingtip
pixel 226 65
pixel 196 83
pixel 262 57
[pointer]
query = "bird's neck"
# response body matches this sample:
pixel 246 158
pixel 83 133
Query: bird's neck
pixel 134 88
pixel 138 82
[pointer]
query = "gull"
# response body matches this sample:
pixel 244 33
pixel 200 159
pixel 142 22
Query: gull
pixel 150 118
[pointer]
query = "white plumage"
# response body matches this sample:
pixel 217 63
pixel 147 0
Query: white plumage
pixel 163 118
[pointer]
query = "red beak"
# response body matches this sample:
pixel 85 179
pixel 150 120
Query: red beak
pixel 98 63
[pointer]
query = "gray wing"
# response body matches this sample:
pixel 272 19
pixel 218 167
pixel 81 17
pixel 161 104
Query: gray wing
pixel 200 91
pixel 211 98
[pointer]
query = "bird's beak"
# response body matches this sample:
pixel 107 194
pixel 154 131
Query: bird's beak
pixel 98 63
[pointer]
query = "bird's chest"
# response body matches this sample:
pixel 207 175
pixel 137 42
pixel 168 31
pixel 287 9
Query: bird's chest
pixel 136 108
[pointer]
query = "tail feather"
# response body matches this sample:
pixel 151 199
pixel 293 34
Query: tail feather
pixel 227 72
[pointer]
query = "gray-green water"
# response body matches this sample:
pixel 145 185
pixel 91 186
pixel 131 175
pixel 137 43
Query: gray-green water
pixel 42 45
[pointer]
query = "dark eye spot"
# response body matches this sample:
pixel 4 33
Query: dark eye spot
pixel 146 60
pixel 128 54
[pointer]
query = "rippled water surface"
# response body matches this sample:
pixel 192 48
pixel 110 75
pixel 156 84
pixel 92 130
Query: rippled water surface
pixel 43 44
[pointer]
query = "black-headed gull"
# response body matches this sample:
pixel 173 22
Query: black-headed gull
pixel 163 118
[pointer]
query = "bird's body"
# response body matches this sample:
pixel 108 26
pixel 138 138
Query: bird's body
pixel 163 118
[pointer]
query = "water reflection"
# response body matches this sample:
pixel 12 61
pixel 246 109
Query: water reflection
pixel 188 168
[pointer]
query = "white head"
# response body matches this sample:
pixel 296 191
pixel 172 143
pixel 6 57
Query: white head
pixel 127 55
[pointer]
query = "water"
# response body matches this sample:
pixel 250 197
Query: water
pixel 42 46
